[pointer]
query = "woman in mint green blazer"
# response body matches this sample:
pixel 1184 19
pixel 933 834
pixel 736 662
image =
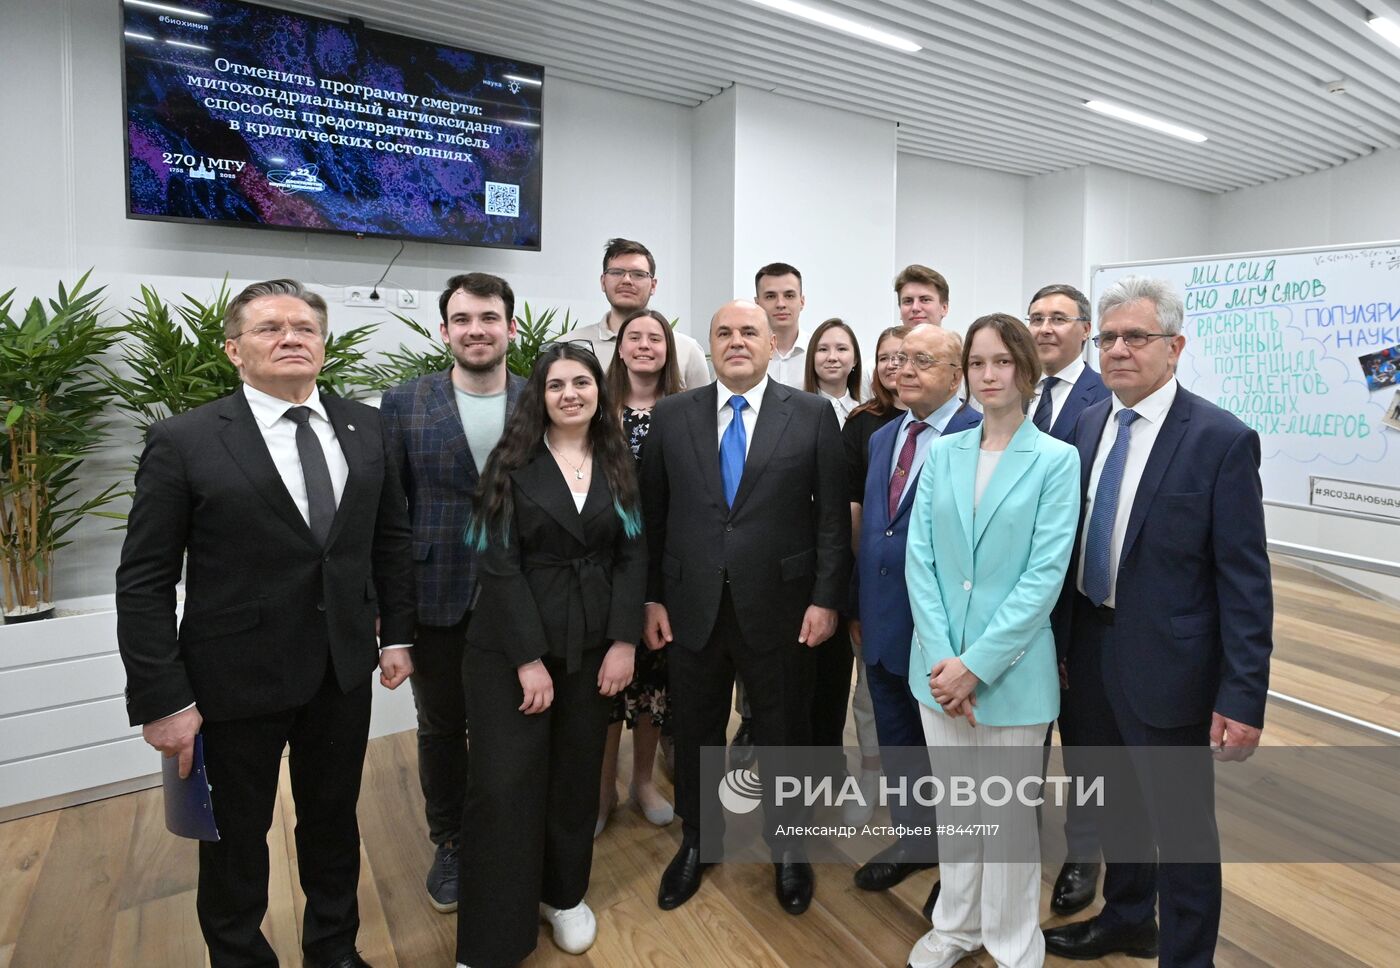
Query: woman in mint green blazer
pixel 990 537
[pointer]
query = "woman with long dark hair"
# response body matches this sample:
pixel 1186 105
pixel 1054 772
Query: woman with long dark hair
pixel 550 644
pixel 643 370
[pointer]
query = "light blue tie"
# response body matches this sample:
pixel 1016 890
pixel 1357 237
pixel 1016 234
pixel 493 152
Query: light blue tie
pixel 1100 537
pixel 731 450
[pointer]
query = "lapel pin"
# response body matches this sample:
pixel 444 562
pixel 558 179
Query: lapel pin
pixel 349 426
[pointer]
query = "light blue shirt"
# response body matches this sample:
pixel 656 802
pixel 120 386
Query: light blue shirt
pixel 937 420
pixel 483 420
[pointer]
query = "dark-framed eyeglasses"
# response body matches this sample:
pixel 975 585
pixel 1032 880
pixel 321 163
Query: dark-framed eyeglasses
pixel 1036 320
pixel 635 275
pixel 921 361
pixel 1134 340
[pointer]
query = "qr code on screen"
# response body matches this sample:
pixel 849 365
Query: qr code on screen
pixel 502 199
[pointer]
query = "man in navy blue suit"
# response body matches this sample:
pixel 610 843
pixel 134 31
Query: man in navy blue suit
pixel 440 429
pixel 1059 319
pixel 930 371
pixel 1165 630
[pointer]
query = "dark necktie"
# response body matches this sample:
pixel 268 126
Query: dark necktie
pixel 320 495
pixel 731 450
pixel 900 478
pixel 1045 407
pixel 1100 535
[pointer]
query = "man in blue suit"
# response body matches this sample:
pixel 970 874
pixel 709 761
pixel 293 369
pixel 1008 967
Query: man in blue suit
pixel 930 372
pixel 1165 627
pixel 1059 320
pixel 441 428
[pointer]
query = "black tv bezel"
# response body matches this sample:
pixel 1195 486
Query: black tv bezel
pixel 345 233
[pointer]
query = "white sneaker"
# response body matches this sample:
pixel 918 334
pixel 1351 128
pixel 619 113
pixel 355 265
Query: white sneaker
pixel 930 952
pixel 575 929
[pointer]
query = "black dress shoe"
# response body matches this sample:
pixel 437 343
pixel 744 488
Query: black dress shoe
pixel 889 867
pixel 741 751
pixel 932 900
pixel 794 881
pixel 1098 938
pixel 1074 888
pixel 349 960
pixel 681 878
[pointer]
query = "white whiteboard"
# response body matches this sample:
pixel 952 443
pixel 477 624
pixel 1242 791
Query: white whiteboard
pixel 1284 340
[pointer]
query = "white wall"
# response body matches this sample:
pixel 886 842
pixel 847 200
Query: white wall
pixel 1354 202
pixel 815 187
pixel 1053 250
pixel 712 209
pixel 613 165
pixel 1129 218
pixel 968 223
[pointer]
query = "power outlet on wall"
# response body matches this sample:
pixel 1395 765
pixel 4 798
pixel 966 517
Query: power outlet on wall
pixel 407 299
pixel 360 296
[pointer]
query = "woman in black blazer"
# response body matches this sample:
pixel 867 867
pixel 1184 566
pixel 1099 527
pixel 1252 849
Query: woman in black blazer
pixel 551 641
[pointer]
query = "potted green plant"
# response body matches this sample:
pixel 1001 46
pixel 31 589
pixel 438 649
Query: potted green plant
pixel 174 359
pixel 52 400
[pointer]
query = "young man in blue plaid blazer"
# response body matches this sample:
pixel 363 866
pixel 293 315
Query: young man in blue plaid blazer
pixel 441 428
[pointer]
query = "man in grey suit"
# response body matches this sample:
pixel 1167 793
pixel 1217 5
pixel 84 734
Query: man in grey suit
pixel 749 555
pixel 439 430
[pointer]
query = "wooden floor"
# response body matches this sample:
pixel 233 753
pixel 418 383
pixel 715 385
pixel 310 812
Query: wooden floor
pixel 103 884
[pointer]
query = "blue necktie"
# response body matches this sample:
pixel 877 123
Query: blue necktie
pixel 1100 536
pixel 1043 408
pixel 731 450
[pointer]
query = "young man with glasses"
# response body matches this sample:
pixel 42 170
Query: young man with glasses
pixel 930 371
pixel 1059 320
pixel 629 282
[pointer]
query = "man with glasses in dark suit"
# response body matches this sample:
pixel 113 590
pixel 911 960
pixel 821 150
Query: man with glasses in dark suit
pixel 284 510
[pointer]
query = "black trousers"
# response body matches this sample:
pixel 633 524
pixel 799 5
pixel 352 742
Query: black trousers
pixel 1081 836
pixel 532 801
pixel 779 684
pixel 1161 803
pixel 831 699
pixel 242 757
pixel 442 725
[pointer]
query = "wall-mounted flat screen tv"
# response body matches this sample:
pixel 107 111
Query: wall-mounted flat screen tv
pixel 241 114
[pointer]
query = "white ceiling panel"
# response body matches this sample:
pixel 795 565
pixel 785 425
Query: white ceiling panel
pixel 1000 84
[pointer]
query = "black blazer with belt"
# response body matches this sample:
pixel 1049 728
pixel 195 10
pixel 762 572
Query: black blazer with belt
pixel 265 605
pixel 562 582
pixel 786 542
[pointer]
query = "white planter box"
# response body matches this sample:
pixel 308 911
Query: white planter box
pixel 63 732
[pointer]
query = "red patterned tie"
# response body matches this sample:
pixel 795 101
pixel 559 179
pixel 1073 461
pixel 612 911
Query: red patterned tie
pixel 906 461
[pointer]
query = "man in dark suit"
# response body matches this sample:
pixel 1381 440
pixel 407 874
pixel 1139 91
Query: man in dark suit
pixel 1059 318
pixel 440 430
pixel 1165 630
pixel 749 558
pixel 930 373
pixel 292 527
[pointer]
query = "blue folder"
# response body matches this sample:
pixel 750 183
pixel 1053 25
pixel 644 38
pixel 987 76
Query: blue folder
pixel 189 809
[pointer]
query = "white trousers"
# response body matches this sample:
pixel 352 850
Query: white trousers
pixel 984 902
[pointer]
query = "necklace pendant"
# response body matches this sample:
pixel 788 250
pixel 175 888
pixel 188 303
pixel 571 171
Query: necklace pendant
pixel 578 474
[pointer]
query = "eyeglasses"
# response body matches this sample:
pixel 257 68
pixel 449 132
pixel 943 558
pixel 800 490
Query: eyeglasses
pixel 921 361
pixel 271 331
pixel 1054 319
pixel 635 275
pixel 1134 340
